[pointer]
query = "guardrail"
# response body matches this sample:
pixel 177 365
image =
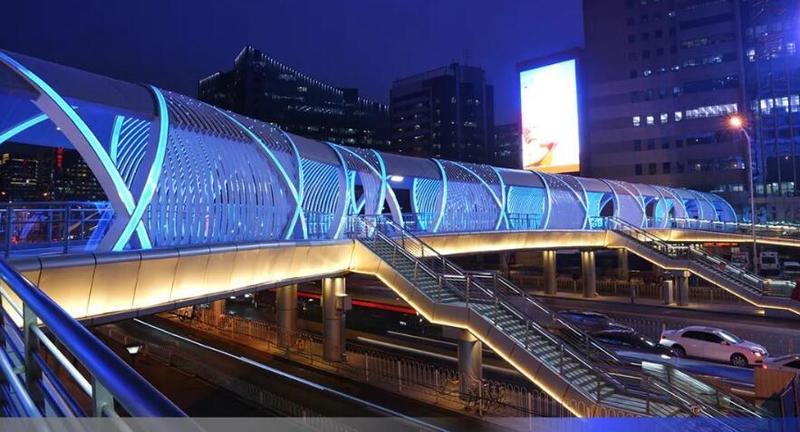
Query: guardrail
pixel 35 389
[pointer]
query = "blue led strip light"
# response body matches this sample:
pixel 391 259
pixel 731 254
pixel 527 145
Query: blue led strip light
pixel 17 129
pixel 292 189
pixel 443 201
pixel 149 189
pixel 497 200
pixel 548 201
pixel 299 211
pixel 114 145
pixel 346 200
pixel 380 175
pixel 120 189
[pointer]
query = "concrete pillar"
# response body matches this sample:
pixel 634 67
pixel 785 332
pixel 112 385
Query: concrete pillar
pixel 623 271
pixel 218 307
pixel 550 271
pixel 683 288
pixel 334 302
pixel 505 258
pixel 470 363
pixel 286 308
pixel 588 272
pixel 667 292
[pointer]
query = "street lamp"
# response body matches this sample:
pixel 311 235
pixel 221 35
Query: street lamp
pixel 736 122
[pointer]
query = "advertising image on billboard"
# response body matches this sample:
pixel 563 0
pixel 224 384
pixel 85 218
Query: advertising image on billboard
pixel 550 136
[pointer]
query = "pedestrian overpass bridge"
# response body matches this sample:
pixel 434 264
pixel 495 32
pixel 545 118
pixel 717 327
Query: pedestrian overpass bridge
pixel 203 203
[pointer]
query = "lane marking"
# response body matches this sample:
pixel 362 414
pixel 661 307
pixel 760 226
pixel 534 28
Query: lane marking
pixel 295 378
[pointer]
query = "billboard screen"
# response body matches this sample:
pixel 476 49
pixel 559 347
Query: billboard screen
pixel 550 136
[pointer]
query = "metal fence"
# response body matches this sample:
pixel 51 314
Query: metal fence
pixel 622 288
pixel 395 373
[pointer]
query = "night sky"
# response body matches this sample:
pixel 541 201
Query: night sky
pixel 347 43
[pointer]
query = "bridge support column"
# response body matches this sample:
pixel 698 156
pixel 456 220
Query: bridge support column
pixel 549 269
pixel 334 305
pixel 470 363
pixel 683 288
pixel 588 272
pixel 286 307
pixel 623 271
pixel 218 308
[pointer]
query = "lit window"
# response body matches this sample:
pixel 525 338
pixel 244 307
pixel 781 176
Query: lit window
pixel 650 120
pixel 664 118
pixel 678 116
pixel 637 121
pixel 647 72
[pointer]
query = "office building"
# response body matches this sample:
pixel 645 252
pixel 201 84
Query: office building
pixel 661 79
pixel 444 113
pixel 39 173
pixel 261 87
pixel 507 145
pixel 771 35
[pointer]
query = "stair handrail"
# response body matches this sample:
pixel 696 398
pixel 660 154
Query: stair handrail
pixel 611 359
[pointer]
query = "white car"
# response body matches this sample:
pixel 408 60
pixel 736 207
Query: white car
pixel 713 344
pixel 788 363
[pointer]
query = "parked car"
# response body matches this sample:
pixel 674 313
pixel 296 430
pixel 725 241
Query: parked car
pixel 788 363
pixel 588 321
pixel 711 343
pixel 629 340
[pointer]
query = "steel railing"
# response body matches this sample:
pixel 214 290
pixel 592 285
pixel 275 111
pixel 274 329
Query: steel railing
pixel 505 298
pixel 701 257
pixel 29 319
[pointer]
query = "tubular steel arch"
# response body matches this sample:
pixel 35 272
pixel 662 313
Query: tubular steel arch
pixel 186 173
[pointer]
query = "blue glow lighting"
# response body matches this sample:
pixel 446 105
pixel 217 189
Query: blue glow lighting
pixel 114 145
pixel 150 184
pixel 443 203
pixel 27 124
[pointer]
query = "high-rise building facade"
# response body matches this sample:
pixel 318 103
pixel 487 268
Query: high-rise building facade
pixel 771 35
pixel 261 87
pixel 661 78
pixel 507 145
pixel 37 173
pixel 444 113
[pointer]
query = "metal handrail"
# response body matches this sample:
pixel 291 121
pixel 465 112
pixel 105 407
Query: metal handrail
pixel 696 255
pixel 109 373
pixel 678 394
pixel 530 324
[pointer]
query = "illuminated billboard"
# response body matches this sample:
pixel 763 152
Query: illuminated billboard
pixel 550 136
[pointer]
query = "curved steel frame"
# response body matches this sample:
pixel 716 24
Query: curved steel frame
pixel 134 196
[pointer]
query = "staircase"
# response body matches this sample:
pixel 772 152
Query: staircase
pixel 756 290
pixel 561 359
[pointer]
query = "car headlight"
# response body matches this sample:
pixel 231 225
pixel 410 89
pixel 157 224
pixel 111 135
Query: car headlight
pixel 759 353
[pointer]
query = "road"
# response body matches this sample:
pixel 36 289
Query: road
pixel 320 393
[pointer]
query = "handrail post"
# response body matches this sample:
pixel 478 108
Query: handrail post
pixel 33 374
pixel 439 290
pixel 9 217
pixel 469 279
pixel 67 217
pixel 561 358
pixel 101 398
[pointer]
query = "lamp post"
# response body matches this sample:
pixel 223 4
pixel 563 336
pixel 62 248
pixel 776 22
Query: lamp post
pixel 737 122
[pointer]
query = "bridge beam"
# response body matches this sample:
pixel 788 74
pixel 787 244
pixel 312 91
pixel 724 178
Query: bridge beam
pixel 286 307
pixel 589 274
pixel 550 270
pixel 334 305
